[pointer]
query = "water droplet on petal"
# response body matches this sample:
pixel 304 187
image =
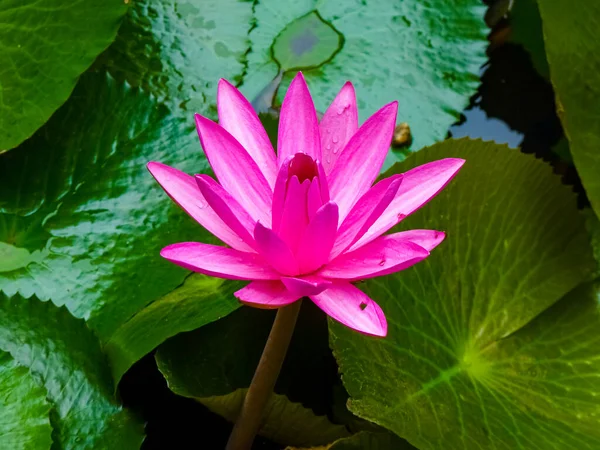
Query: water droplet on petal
pixel 328 146
pixel 336 149
pixel 328 159
pixel 401 216
pixel 335 139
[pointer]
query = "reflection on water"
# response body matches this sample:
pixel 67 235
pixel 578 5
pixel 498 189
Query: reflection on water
pixel 477 124
pixel 513 105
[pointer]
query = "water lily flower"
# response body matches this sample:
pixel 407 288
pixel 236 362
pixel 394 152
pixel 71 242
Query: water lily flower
pixel 307 221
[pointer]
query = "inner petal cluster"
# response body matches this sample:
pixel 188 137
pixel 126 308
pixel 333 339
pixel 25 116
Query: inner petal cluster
pixel 303 217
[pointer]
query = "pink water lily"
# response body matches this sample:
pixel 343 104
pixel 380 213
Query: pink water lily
pixel 308 221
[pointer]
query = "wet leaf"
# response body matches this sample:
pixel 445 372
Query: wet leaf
pixel 45 45
pixel 64 357
pixel 24 411
pixel 178 49
pixel 79 200
pixel 427 58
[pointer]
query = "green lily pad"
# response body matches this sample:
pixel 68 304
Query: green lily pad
pixel 79 197
pixel 306 42
pixel 427 58
pixel 65 358
pixel 526 29
pixel 178 49
pixel 199 301
pixel 592 224
pixel 285 422
pixel 24 411
pixel 572 48
pixel 45 45
pixel 466 363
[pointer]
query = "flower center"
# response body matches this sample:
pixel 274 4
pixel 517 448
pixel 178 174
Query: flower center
pixel 303 166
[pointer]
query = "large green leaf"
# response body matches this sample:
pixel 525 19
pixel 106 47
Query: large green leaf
pixel 457 369
pixel 427 57
pixel 44 46
pixel 592 223
pixel 178 49
pixel 81 219
pixel 24 411
pixel 572 47
pixel 199 301
pixel 526 29
pixel 284 422
pixel 65 357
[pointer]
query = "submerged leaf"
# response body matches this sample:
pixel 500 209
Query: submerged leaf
pixel 427 58
pixel 65 357
pixel 284 422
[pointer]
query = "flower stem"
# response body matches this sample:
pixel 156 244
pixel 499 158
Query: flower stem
pixel 263 382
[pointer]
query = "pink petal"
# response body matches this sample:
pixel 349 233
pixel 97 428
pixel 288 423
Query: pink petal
pixel 298 124
pixel 305 286
pixel 428 239
pixel 294 217
pixel 182 188
pixel 338 125
pixel 365 212
pixel 266 294
pixel 362 158
pixel 279 192
pixel 313 202
pixel 325 197
pixel 218 261
pixel 227 208
pixel 419 185
pixel 352 307
pixel 275 250
pixel 318 238
pixel 238 117
pixel 235 169
pixel 383 256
